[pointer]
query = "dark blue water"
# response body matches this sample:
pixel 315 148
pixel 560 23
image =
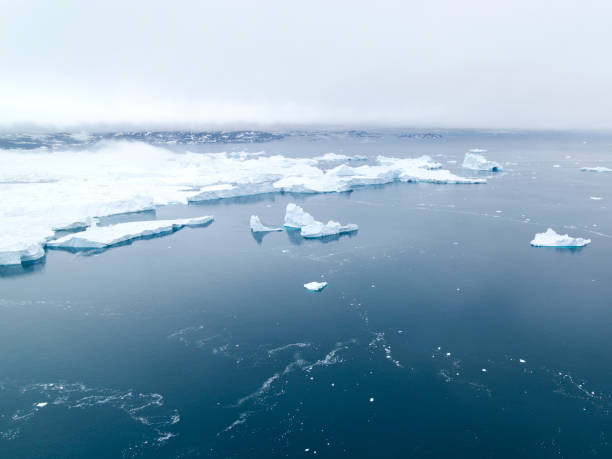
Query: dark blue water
pixel 204 343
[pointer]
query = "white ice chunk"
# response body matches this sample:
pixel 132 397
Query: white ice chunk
pixel 596 169
pixel 296 217
pixel 551 239
pixel 477 162
pixel 596 198
pixel 315 286
pixel 258 227
pixel 331 228
pixel 108 236
pixel 41 404
pixel 332 157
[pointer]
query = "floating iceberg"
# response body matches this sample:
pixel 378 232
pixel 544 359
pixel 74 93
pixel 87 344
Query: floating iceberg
pixel 331 228
pixel 596 169
pixel 99 237
pixel 258 227
pixel 335 157
pixel 48 191
pixel 551 239
pixel 315 286
pixel 477 162
pixel 297 218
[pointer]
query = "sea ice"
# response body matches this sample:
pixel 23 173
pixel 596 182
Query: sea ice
pixel 331 228
pixel 596 169
pixel 477 162
pixel 46 191
pixel 551 239
pixel 258 227
pixel 107 236
pixel 315 286
pixel 296 217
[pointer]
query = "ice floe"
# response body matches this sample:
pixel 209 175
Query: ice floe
pixel 44 191
pixel 478 162
pixel 596 169
pixel 315 286
pixel 551 239
pixel 297 218
pixel 258 227
pixel 98 237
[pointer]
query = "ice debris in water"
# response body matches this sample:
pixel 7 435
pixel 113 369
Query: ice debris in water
pixel 477 162
pixel 296 217
pixel 596 198
pixel 44 191
pixel 551 239
pixel 258 227
pixel 596 169
pixel 315 286
pixel 107 236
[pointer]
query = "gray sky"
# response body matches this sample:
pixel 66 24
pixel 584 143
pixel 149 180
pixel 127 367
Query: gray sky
pixel 510 64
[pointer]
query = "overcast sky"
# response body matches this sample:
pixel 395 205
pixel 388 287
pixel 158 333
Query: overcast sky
pixel 510 64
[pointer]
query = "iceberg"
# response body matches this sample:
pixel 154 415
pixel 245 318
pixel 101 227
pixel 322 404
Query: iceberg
pixel 258 227
pixel 331 228
pixel 297 218
pixel 100 237
pixel 551 239
pixel 596 169
pixel 315 286
pixel 46 191
pixel 478 162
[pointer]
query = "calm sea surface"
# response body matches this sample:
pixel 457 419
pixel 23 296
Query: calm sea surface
pixel 442 333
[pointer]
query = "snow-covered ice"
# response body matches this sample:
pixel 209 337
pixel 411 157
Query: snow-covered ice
pixel 477 162
pixel 551 239
pixel 44 191
pixel 258 227
pixel 98 237
pixel 596 169
pixel 297 218
pixel 315 286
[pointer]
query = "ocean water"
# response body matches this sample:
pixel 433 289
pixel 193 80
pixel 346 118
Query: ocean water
pixel 442 333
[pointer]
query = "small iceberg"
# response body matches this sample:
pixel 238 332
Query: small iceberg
pixel 331 228
pixel 297 218
pixel 258 227
pixel 551 239
pixel 478 162
pixel 100 237
pixel 596 169
pixel 315 286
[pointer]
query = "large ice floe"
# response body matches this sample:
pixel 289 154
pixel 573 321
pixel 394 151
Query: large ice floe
pixel 98 237
pixel 477 162
pixel 44 191
pixel 596 169
pixel 258 227
pixel 297 218
pixel 551 239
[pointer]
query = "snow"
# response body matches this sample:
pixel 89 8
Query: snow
pixel 98 237
pixel 551 239
pixel 477 162
pixel 44 191
pixel 297 218
pixel 258 227
pixel 315 286
pixel 596 169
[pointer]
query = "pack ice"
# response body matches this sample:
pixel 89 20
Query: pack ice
pixel 477 162
pixel 44 191
pixel 258 227
pixel 552 239
pixel 99 237
pixel 297 218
